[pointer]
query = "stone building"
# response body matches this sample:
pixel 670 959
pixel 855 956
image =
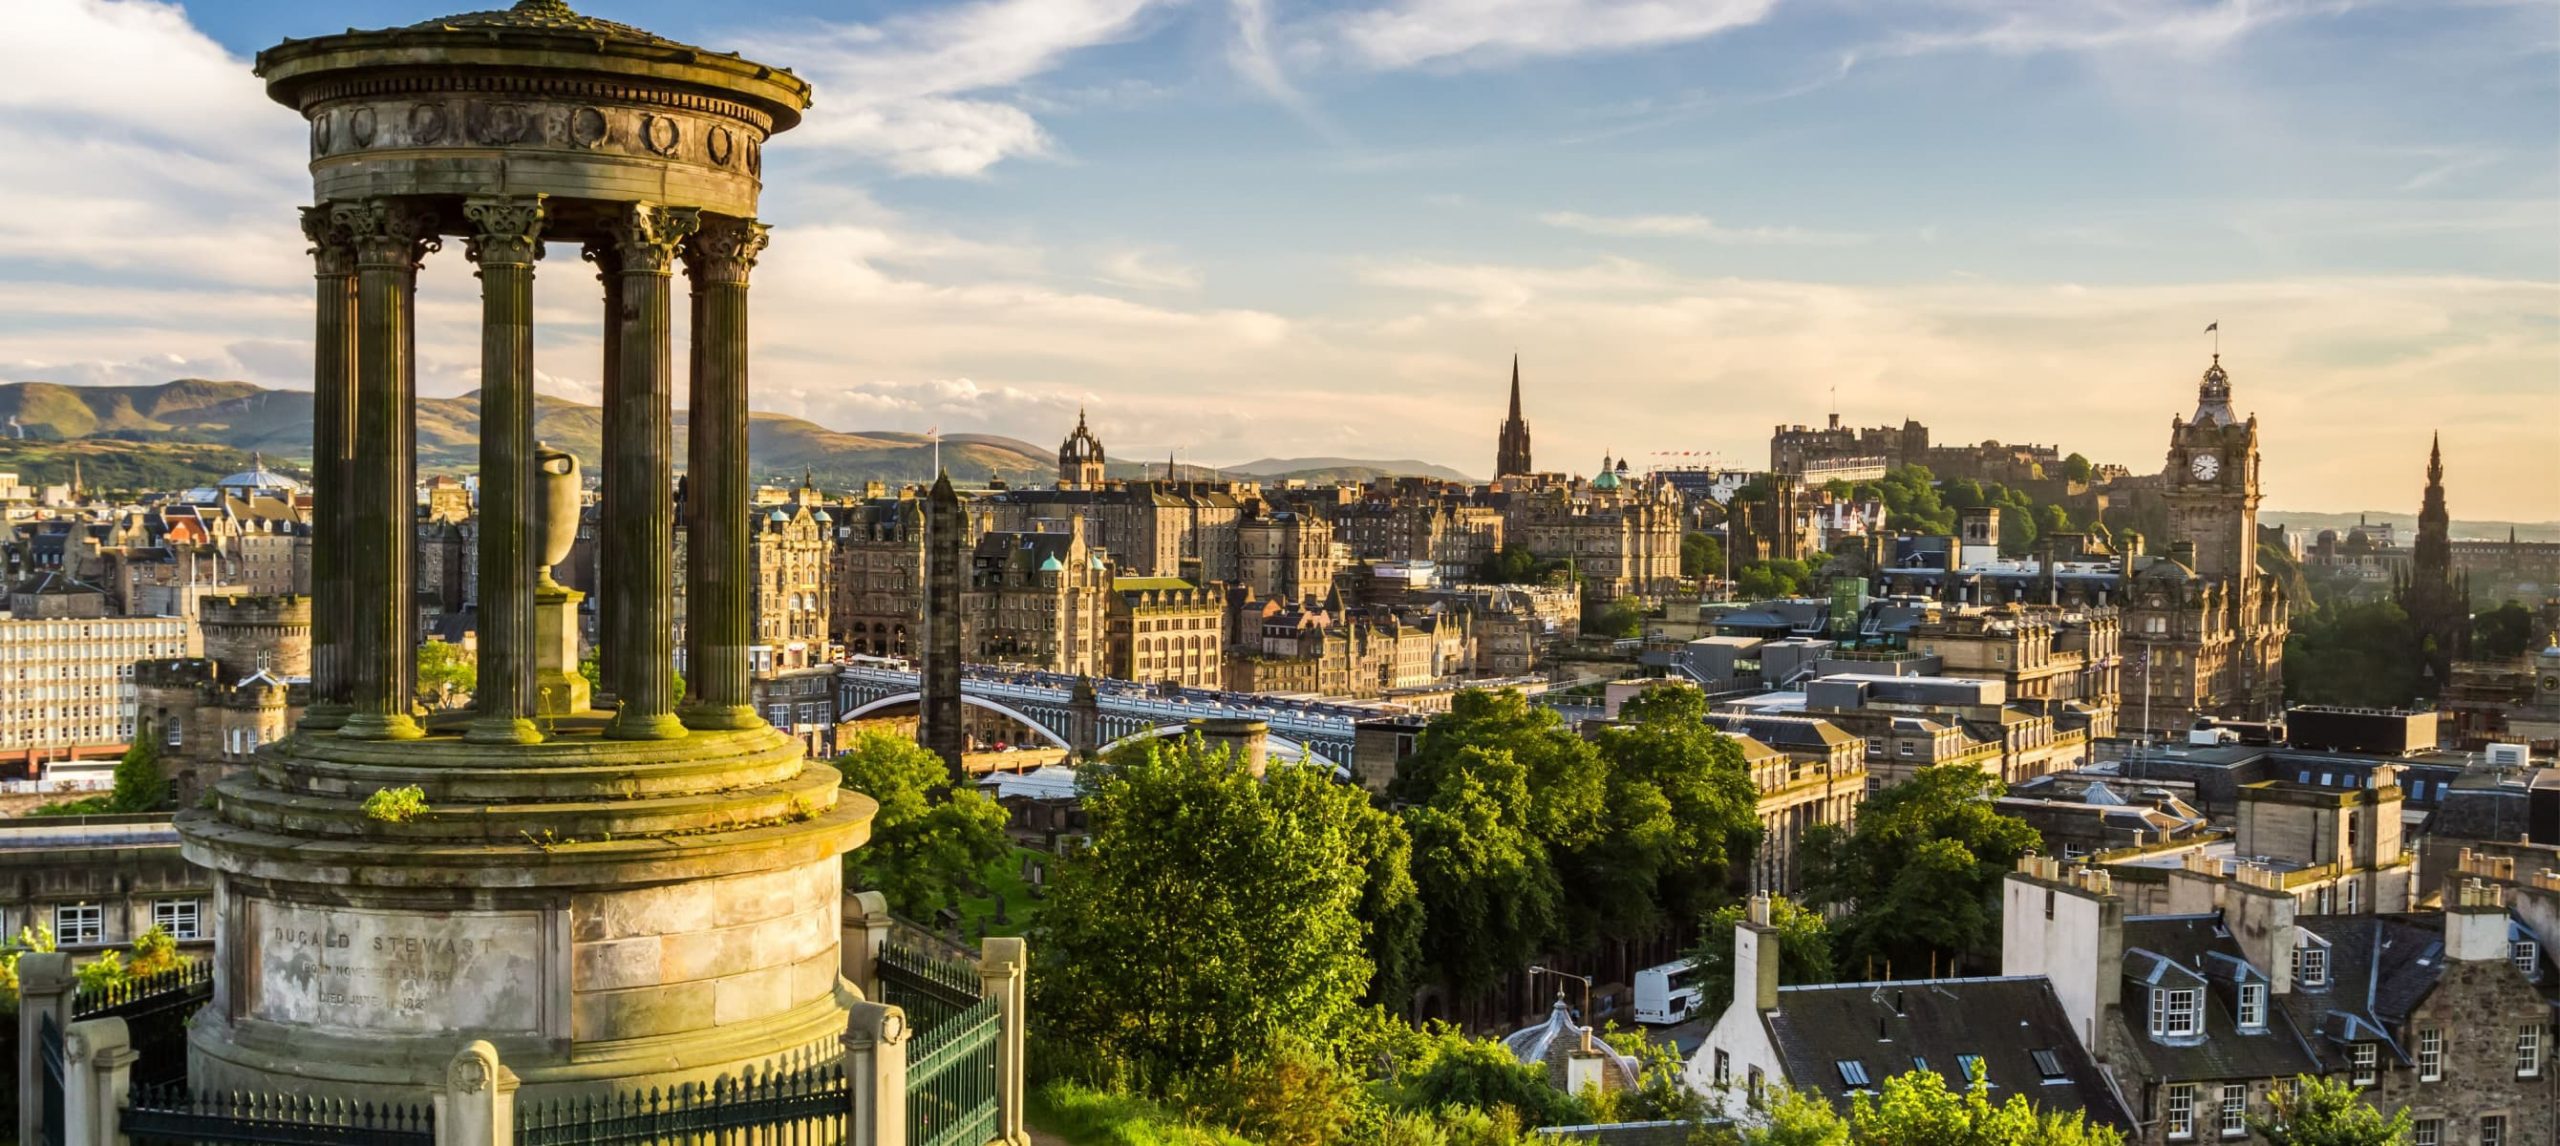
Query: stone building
pixel 791 559
pixel 2197 1015
pixel 70 683
pixel 2051 656
pixel 1808 773
pixel 876 585
pixel 1168 630
pixel 1511 453
pixel 1080 459
pixel 2206 629
pixel 1910 723
pixel 1151 528
pixel 210 714
pixel 1284 553
pixel 1038 599
pixel 1411 520
pixel 100 882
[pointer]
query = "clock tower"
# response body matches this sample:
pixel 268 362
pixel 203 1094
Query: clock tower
pixel 2204 632
pixel 2211 484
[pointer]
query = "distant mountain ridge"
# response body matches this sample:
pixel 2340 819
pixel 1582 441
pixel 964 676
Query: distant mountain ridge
pixel 114 430
pixel 2405 525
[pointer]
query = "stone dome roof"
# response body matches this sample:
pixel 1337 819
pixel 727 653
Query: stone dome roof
pixel 542 16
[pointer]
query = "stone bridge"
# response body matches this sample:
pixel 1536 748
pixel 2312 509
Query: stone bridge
pixel 1115 712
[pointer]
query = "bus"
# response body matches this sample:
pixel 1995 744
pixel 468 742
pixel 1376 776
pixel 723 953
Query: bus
pixel 1667 994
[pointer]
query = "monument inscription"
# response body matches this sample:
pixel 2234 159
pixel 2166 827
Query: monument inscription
pixel 397 972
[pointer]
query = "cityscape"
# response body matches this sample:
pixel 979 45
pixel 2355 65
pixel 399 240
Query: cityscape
pixel 497 713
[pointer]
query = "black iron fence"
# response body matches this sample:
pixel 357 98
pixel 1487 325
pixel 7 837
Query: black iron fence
pixel 155 1009
pixel 49 1082
pixel 172 1116
pixel 804 1105
pixel 951 1079
pixel 930 988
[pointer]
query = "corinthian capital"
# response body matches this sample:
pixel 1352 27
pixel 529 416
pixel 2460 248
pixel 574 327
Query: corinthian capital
pixel 504 230
pixel 648 236
pixel 725 250
pixel 388 232
pixel 333 248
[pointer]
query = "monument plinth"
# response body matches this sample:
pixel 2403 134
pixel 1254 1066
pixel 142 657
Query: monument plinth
pixel 610 899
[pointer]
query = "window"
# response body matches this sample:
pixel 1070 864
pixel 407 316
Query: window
pixel 2311 967
pixel 2182 1110
pixel 2430 1054
pixel 2351 896
pixel 75 923
pixel 1967 1064
pixel 2253 1005
pixel 2368 1060
pixel 1724 1068
pixel 2529 1051
pixel 181 918
pixel 2048 1065
pixel 2427 1132
pixel 2526 955
pixel 2235 1109
pixel 2493 1130
pixel 2173 1013
pixel 1754 1086
pixel 1853 1073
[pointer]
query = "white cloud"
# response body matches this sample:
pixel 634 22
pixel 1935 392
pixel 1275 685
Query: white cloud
pixel 912 91
pixel 1415 32
pixel 1141 269
pixel 1693 227
pixel 2022 27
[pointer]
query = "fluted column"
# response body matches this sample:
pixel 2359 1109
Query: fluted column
pixel 505 240
pixel 719 599
pixel 333 413
pixel 640 475
pixel 390 237
pixel 608 260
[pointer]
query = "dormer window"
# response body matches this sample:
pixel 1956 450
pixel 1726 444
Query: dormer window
pixel 2174 1014
pixel 2527 956
pixel 2368 1062
pixel 2253 1006
pixel 2311 967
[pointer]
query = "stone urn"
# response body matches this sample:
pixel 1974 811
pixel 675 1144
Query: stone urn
pixel 557 492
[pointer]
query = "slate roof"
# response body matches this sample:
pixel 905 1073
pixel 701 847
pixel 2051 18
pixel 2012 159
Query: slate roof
pixel 1810 732
pixel 2479 809
pixel 2187 950
pixel 1887 1029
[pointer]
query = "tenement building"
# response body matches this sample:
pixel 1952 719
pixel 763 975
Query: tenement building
pixel 210 714
pixel 1165 630
pixel 1621 533
pixel 792 557
pixel 1038 599
pixel 876 584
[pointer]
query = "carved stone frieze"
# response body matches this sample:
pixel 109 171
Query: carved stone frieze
pixel 700 137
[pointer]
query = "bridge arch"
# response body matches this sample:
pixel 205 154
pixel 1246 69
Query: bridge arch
pixel 972 700
pixel 1280 747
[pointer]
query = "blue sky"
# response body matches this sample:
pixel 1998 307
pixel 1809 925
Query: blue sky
pixel 1240 228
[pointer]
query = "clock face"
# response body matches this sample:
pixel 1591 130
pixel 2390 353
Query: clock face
pixel 2205 466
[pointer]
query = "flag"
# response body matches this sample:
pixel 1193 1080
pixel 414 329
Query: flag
pixel 933 429
pixel 2210 327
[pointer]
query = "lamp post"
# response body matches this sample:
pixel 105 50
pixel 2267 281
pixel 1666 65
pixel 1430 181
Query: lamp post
pixel 1585 980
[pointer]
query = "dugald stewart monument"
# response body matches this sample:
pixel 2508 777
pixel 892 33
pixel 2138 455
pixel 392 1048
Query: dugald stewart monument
pixel 636 887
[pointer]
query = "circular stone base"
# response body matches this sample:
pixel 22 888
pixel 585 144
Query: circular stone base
pixel 611 915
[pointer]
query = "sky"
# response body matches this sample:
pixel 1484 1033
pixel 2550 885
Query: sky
pixel 1244 228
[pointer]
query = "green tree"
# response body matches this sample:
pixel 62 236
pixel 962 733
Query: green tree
pixel 1796 1118
pixel 2076 468
pixel 1701 555
pixel 1804 948
pixel 446 672
pixel 155 952
pixel 2503 633
pixel 1684 810
pixel 1922 868
pixel 1488 891
pixel 1511 565
pixel 1620 619
pixel 1916 1108
pixel 33 938
pixel 1212 911
pixel 1480 1074
pixel 1567 780
pixel 930 840
pixel 2051 518
pixel 2362 653
pixel 2328 1112
pixel 1390 907
pixel 140 784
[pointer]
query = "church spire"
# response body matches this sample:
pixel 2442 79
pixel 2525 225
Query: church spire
pixel 1511 455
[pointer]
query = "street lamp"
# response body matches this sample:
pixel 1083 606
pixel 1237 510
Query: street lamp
pixel 1585 980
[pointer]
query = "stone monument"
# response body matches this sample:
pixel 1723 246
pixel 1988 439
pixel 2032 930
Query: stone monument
pixel 610 899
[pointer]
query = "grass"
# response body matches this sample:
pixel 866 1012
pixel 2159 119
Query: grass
pixel 1003 875
pixel 1083 1116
